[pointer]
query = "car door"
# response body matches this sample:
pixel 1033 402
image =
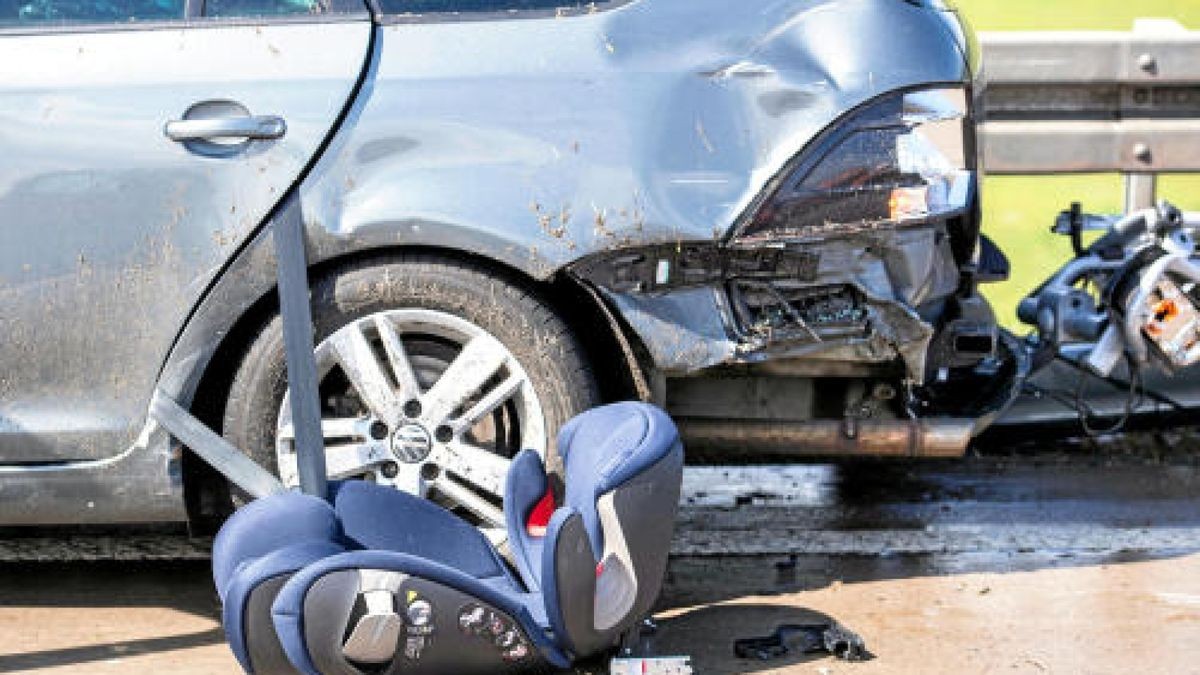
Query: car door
pixel 141 143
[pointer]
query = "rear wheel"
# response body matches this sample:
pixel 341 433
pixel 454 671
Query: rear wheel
pixel 433 374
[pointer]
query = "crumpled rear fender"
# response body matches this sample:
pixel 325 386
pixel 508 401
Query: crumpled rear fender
pixel 678 298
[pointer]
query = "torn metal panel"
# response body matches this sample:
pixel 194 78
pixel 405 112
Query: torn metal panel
pixel 682 330
pixel 920 265
pixel 697 305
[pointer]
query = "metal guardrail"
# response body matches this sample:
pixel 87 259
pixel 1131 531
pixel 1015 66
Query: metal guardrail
pixel 1084 102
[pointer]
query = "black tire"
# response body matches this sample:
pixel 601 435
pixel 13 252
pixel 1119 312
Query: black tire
pixel 511 311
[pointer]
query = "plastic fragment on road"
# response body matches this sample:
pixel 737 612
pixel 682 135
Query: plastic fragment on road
pixel 813 638
pixel 669 665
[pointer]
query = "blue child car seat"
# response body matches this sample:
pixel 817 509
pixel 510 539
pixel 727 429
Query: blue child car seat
pixel 379 581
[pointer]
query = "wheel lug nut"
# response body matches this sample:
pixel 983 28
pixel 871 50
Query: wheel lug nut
pixel 430 471
pixel 412 409
pixel 390 470
pixel 379 430
pixel 443 434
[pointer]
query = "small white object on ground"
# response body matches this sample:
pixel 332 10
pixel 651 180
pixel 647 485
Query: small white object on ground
pixel 671 665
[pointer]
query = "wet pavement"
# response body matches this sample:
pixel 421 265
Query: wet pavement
pixel 1058 562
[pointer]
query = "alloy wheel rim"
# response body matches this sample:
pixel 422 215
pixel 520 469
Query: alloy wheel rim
pixel 417 429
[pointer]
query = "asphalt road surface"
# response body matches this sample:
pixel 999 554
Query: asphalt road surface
pixel 1079 561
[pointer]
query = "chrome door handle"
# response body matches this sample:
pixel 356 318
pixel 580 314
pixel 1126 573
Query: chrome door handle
pixel 254 127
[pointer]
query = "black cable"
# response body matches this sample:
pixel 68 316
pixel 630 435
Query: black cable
pixel 1118 383
pixel 1077 402
pixel 1133 401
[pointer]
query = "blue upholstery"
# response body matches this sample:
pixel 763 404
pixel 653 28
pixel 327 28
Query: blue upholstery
pixel 373 527
pixel 286 560
pixel 267 525
pixel 265 539
pixel 525 487
pixel 377 518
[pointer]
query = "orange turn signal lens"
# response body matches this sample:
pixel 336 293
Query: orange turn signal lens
pixel 908 203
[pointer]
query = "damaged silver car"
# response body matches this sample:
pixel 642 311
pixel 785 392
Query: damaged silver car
pixel 763 215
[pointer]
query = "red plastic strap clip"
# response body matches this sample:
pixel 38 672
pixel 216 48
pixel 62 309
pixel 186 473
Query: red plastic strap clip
pixel 539 517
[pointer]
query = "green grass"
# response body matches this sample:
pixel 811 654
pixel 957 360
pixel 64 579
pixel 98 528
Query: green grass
pixel 1018 210
pixel 1074 14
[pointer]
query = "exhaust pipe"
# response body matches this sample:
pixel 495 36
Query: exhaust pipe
pixel 945 437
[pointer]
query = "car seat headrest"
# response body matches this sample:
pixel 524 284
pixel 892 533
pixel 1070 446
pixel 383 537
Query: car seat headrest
pixel 606 549
pixel 607 447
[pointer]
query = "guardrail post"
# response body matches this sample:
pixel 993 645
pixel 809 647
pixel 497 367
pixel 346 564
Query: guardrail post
pixel 1141 191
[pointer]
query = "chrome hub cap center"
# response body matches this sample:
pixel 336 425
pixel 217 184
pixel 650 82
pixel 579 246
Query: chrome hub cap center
pixel 411 443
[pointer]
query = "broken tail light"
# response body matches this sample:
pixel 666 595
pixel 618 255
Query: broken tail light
pixel 900 160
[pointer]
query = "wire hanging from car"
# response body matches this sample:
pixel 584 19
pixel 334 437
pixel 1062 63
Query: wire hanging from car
pixel 1133 401
pixel 1077 401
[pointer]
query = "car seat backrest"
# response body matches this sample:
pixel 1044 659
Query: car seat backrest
pixel 368 518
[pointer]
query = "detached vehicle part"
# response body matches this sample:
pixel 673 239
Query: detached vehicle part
pixel 830 638
pixel 1130 298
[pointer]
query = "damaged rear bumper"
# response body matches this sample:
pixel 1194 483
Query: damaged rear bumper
pixel 867 297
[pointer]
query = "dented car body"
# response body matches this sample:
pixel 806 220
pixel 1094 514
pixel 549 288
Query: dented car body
pixel 768 201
